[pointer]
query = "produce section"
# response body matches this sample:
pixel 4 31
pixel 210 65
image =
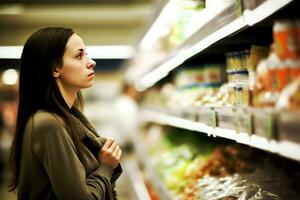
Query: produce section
pixel 183 165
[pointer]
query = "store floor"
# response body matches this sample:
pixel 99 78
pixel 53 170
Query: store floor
pixel 125 187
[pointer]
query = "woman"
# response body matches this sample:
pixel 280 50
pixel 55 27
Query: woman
pixel 56 153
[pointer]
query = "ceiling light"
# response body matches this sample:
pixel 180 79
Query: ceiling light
pixel 110 52
pixel 10 77
pixel 15 9
pixel 95 52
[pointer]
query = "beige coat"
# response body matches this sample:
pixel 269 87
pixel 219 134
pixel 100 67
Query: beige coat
pixel 51 169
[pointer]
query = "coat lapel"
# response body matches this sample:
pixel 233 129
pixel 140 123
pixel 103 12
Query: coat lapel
pixel 87 132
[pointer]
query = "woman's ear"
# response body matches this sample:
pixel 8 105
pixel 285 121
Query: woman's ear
pixel 56 73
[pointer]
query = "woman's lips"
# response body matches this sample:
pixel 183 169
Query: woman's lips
pixel 91 74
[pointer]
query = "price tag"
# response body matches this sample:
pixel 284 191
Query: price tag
pixel 249 123
pixel 213 118
pixel 236 122
pixel 269 127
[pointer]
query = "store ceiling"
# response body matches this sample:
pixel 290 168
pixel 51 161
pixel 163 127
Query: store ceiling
pixel 98 22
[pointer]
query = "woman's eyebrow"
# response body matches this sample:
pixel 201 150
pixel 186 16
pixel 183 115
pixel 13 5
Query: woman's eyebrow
pixel 81 50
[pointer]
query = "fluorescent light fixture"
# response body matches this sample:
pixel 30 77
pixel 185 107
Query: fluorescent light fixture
pixel 14 52
pixel 95 52
pixel 110 52
pixel 264 10
pixel 10 77
pixel 15 9
pixel 159 24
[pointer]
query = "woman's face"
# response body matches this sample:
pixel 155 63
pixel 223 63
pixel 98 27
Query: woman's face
pixel 78 69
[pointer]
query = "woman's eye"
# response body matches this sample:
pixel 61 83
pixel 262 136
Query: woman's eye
pixel 79 56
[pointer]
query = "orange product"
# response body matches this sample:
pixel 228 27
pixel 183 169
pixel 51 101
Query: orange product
pixel 282 76
pixel 289 98
pixel 294 69
pixel 298 33
pixel 271 80
pixel 262 76
pixel 273 65
pixel 285 39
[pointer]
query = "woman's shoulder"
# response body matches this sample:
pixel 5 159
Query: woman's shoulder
pixel 46 119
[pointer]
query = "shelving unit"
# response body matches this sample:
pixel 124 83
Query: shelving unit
pixel 267 130
pixel 288 149
pixel 225 23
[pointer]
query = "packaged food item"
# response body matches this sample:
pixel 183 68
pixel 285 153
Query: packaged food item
pixel 257 53
pixel 289 98
pixel 237 61
pixel 298 33
pixel 181 24
pixel 265 93
pixel 242 95
pixel 285 41
pixel 192 12
pixel 242 88
pixel 232 187
pixel 213 73
pixel 245 59
pixel 271 81
pixel 282 75
pixel 294 69
pixel 262 76
pixel 229 61
pixel 190 76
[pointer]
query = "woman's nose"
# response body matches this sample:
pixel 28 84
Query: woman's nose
pixel 91 64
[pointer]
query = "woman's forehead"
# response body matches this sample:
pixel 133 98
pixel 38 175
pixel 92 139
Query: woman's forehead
pixel 74 43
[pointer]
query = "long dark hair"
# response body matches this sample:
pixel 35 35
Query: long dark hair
pixel 42 52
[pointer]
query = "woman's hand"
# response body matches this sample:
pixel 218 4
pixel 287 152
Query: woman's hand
pixel 110 153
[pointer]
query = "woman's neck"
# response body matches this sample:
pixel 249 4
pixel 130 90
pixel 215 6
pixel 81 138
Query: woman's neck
pixel 69 93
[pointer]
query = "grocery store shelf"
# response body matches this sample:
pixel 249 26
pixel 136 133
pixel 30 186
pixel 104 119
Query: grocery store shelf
pixel 156 182
pixel 225 23
pixel 159 19
pixel 285 148
pixel 263 11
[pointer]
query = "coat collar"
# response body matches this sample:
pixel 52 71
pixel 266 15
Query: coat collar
pixel 85 129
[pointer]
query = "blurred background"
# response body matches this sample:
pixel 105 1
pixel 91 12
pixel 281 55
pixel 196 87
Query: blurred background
pixel 110 29
pixel 202 95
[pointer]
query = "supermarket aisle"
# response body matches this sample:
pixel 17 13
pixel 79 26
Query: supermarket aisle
pixel 131 185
